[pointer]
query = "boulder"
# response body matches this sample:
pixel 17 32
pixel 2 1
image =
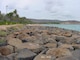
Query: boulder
pixel 12 56
pixel 67 58
pixel 10 47
pixel 61 39
pixel 43 57
pixel 66 46
pixel 5 51
pixel 22 36
pixel 76 46
pixel 51 45
pixel 3 58
pixel 58 52
pixel 31 46
pixel 67 34
pixel 25 54
pixel 64 40
pixel 14 42
pixel 29 39
pixel 77 40
pixel 51 40
pixel 42 39
pixel 76 54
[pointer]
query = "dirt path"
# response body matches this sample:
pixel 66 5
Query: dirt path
pixel 4 27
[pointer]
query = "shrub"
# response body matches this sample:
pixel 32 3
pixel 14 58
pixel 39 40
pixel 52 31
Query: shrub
pixel 3 33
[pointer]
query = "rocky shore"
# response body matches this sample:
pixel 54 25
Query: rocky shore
pixel 40 43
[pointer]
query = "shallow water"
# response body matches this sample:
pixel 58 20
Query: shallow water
pixel 65 26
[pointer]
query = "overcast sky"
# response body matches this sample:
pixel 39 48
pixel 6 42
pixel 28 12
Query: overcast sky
pixel 44 9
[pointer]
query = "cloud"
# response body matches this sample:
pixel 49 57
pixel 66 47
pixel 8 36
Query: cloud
pixel 48 9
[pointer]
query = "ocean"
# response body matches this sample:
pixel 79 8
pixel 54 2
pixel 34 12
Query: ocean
pixel 75 27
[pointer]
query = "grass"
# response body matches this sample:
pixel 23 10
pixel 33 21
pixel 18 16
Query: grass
pixel 3 33
pixel 2 41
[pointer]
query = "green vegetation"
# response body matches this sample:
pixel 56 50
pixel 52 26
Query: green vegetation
pixel 2 41
pixel 48 23
pixel 3 33
pixel 52 23
pixel 13 18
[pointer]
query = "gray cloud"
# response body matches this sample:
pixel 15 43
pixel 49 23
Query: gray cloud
pixel 49 9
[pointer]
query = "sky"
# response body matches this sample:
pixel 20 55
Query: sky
pixel 43 9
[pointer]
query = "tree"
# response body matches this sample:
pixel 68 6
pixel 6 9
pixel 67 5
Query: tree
pixel 15 11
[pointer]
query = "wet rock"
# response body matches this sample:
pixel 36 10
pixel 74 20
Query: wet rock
pixel 25 54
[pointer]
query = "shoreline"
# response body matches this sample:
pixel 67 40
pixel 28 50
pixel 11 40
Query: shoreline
pixel 34 42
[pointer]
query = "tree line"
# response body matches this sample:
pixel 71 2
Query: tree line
pixel 13 18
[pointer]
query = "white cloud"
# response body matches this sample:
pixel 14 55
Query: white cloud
pixel 63 9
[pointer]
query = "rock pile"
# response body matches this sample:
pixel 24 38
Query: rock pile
pixel 42 43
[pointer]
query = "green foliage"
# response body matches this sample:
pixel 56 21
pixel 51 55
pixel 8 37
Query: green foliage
pixel 9 15
pixel 15 11
pixel 13 18
pixel 54 23
pixel 49 23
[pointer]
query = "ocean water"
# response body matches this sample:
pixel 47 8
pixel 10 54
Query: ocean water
pixel 65 26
